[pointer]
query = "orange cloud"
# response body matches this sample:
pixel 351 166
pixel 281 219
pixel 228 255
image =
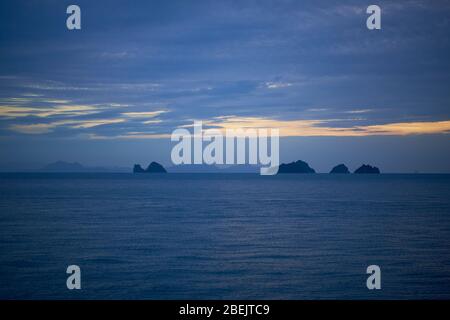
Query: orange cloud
pixel 305 128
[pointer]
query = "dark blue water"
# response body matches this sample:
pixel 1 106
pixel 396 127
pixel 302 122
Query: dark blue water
pixel 182 236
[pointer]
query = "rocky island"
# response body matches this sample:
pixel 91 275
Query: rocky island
pixel 340 168
pixel 298 166
pixel 366 168
pixel 153 167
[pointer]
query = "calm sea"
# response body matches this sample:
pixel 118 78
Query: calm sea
pixel 229 236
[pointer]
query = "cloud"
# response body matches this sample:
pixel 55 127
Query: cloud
pixel 43 112
pixel 277 85
pixel 304 128
pixel 317 109
pixel 358 111
pixel 117 55
pixel 32 95
pixel 68 116
pixel 119 105
pixel 409 128
pixel 29 98
pixel 55 86
pixel 40 128
pixel 92 123
pixel 143 115
pixel 152 121
pixel 301 128
pixel 130 136
pixel 57 101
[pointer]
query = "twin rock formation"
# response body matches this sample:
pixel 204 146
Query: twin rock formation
pixel 153 167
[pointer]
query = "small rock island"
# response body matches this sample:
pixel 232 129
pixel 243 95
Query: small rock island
pixel 340 168
pixel 298 166
pixel 153 167
pixel 366 168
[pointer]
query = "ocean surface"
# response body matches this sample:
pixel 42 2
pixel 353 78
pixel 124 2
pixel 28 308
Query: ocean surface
pixel 224 236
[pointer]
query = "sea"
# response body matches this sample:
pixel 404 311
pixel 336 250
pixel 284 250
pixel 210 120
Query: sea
pixel 224 236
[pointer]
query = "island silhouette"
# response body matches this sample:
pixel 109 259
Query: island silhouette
pixel 298 166
pixel 62 166
pixel 340 168
pixel 153 167
pixel 76 167
pixel 366 168
pixel 295 167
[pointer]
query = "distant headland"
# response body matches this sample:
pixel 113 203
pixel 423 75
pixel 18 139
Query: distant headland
pixel 76 167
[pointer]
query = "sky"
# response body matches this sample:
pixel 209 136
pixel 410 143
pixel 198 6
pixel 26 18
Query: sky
pixel 111 93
